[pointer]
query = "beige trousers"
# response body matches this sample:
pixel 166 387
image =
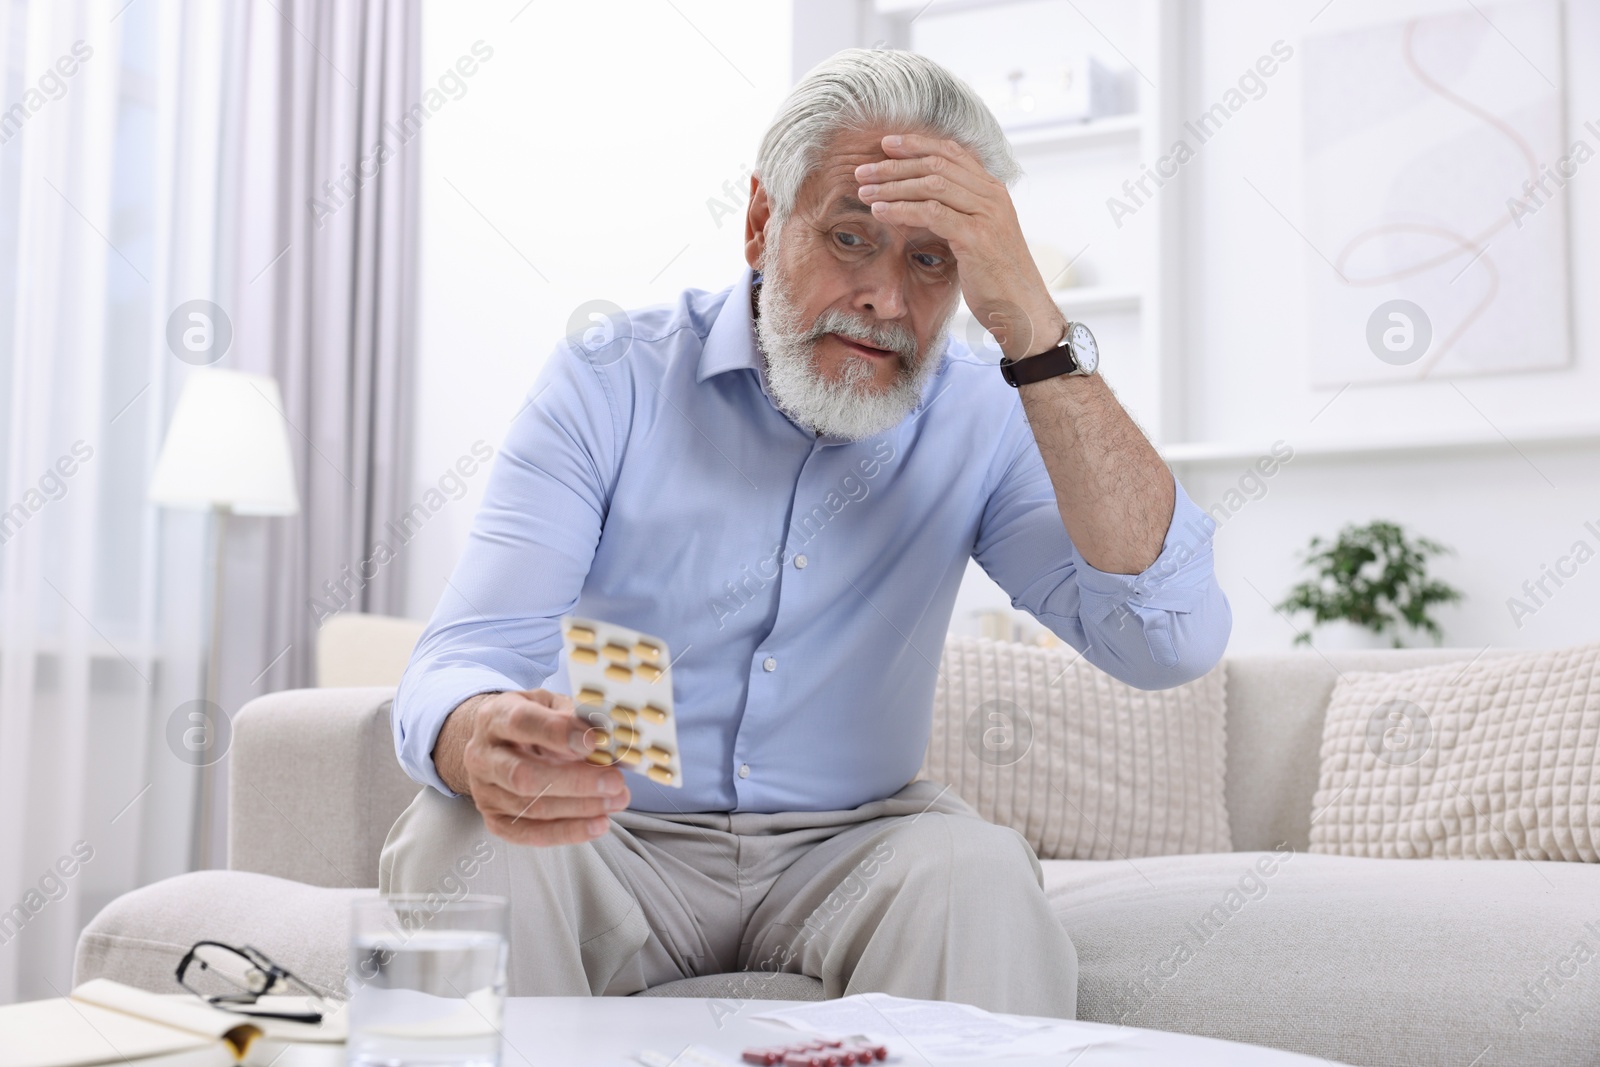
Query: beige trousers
pixel 915 895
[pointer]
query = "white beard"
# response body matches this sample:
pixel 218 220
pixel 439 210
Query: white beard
pixel 849 408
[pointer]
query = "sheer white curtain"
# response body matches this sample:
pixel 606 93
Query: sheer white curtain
pixel 152 153
pixel 106 201
pixel 317 202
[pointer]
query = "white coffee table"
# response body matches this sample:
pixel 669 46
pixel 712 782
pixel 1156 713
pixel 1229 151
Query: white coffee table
pixel 610 1031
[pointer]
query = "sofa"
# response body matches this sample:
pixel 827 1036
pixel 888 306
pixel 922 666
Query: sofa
pixel 1454 963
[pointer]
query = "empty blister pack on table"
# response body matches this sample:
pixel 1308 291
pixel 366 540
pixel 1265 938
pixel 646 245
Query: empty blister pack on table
pixel 622 685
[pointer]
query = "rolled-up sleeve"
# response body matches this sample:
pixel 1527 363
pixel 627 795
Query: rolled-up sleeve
pixel 1162 627
pixel 497 626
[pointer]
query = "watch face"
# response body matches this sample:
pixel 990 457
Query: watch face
pixel 1084 349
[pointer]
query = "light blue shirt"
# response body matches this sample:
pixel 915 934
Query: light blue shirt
pixel 803 584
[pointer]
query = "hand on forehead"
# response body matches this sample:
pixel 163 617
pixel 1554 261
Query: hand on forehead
pixel 830 195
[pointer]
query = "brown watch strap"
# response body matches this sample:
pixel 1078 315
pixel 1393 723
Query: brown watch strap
pixel 1049 364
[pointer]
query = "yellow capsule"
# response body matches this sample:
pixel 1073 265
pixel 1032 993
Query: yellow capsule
pixel 647 652
pixel 660 774
pixel 616 653
pixel 630 756
pixel 587 695
pixel 598 737
pixel 649 673
pixel 659 754
pixel 583 635
pixel 651 713
pixel 599 759
pixel 624 736
pixel 584 654
pixel 622 715
pixel 619 673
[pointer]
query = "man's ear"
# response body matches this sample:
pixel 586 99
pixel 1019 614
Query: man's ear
pixel 755 222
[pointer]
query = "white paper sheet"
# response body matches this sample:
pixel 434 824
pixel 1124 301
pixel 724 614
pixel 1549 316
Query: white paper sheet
pixel 941 1032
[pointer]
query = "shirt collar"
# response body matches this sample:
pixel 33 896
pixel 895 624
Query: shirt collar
pixel 731 343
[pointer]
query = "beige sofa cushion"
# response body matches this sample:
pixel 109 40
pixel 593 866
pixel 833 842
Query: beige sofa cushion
pixel 1497 759
pixel 1082 765
pixel 1382 963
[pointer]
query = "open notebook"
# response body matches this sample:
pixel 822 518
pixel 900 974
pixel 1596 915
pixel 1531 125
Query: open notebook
pixel 104 1022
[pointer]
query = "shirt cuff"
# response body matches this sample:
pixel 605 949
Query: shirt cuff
pixel 1178 580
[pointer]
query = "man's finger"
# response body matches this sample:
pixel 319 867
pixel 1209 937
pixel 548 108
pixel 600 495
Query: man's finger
pixel 948 223
pixel 559 701
pixel 974 179
pixel 492 800
pixel 926 187
pixel 530 776
pixel 905 145
pixel 560 734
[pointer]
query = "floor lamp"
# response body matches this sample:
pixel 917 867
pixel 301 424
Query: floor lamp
pixel 226 452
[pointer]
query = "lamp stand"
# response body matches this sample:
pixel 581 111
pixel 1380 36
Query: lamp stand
pixel 200 851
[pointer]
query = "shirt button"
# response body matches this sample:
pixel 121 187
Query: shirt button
pixel 769 664
pixel 800 561
pixel 744 770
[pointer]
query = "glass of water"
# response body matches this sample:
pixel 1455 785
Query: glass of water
pixel 427 981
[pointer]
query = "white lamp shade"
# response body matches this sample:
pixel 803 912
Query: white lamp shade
pixel 228 447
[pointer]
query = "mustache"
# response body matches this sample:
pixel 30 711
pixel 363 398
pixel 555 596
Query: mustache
pixel 890 336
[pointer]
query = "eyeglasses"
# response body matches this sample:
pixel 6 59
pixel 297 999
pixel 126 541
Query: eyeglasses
pixel 233 979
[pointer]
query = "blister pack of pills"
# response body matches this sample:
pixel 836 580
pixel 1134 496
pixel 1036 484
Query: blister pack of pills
pixel 622 686
pixel 818 1052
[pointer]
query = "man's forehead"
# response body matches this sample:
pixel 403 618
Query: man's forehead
pixel 832 187
pixel 845 203
pixel 854 147
pixel 832 182
pixel 829 191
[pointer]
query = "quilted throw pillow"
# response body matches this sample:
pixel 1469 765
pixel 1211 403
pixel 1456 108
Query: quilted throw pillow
pixel 1080 764
pixel 1498 759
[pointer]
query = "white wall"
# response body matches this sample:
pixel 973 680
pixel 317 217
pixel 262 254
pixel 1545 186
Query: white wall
pixel 584 150
pixel 1505 513
pixel 1508 509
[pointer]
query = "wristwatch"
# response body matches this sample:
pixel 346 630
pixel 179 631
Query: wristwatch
pixel 1076 354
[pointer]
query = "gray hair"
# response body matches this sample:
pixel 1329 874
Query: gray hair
pixel 862 89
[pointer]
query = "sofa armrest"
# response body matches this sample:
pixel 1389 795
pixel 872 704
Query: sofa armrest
pixel 314 785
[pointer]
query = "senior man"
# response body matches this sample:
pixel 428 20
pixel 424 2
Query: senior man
pixel 785 480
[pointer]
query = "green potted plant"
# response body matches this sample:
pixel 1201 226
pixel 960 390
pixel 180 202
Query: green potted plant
pixel 1372 578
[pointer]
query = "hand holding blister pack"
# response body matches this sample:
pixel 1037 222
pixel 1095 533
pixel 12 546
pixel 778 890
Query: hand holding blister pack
pixel 622 686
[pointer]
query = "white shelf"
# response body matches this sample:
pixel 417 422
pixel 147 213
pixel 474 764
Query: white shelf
pixel 1095 299
pixel 1096 133
pixel 1207 453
